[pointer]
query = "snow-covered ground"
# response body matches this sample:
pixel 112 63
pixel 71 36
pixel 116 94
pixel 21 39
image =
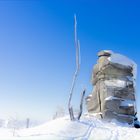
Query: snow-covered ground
pixel 88 128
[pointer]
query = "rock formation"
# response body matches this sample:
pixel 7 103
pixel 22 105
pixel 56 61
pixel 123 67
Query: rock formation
pixel 113 96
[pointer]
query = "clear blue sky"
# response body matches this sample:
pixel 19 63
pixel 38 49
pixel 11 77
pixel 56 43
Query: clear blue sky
pixel 37 54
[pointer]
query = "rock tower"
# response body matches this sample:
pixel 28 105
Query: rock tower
pixel 113 95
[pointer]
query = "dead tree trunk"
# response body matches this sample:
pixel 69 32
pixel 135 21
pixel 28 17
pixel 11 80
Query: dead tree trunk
pixel 77 47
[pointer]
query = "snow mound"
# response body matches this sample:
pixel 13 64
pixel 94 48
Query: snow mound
pixel 62 128
pixel 88 128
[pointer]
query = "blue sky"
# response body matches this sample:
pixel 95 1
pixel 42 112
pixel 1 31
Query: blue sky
pixel 37 54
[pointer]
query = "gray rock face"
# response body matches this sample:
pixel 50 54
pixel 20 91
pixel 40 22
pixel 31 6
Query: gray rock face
pixel 113 95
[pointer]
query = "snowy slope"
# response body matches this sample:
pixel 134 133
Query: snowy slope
pixel 89 128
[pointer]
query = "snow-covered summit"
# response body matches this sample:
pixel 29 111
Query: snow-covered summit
pixel 88 128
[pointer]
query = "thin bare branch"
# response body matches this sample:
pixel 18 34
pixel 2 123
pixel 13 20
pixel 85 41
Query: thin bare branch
pixel 79 55
pixel 76 42
pixel 81 104
pixel 71 114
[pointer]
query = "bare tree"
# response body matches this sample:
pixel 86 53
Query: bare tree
pixel 77 47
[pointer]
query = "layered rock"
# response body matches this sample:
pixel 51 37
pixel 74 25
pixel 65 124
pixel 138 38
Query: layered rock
pixel 113 96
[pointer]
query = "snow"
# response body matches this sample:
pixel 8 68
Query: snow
pixel 130 103
pixel 115 83
pixel 90 95
pixel 88 128
pixel 112 98
pixel 108 51
pixel 88 100
pixel 123 60
pixel 127 103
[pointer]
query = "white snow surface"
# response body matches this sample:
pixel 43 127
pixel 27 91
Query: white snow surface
pixel 115 83
pixel 88 128
pixel 112 98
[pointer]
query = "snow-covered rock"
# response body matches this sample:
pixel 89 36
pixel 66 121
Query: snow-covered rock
pixel 123 60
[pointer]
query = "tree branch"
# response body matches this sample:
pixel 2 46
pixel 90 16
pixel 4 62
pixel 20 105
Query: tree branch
pixel 81 104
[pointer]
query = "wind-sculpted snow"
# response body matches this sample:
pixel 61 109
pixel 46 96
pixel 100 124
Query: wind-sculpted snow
pixel 89 128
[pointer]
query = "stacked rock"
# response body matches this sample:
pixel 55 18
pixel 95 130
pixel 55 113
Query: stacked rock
pixel 113 96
